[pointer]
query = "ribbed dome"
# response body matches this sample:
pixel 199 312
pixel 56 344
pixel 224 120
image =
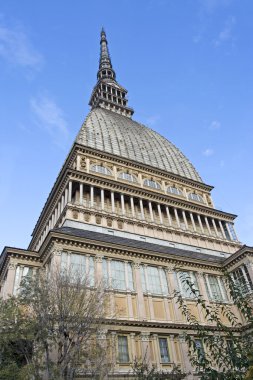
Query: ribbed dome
pixel 113 133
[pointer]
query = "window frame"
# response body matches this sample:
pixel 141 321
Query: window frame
pixel 152 184
pixel 105 171
pixel 109 270
pixel 177 192
pixel 132 180
pixel 147 286
pixel 125 338
pixel 186 292
pixel 164 339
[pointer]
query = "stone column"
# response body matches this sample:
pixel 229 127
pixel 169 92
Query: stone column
pixel 70 192
pixel 133 348
pixel 215 228
pixel 91 196
pixel 176 216
pixel 98 268
pixel 185 220
pixel 66 197
pixel 160 213
pixel 168 215
pixel 145 346
pixel 173 354
pixel 222 230
pixel 202 285
pixel 208 226
pixel 141 208
pixel 10 280
pixel 173 286
pixel 112 202
pixel 200 223
pixel 102 197
pixel 129 295
pixel 132 206
pixel 81 194
pixel 231 237
pixel 193 222
pixel 184 354
pixel 151 211
pixel 156 351
pixel 114 349
pixel 122 204
pixel 140 297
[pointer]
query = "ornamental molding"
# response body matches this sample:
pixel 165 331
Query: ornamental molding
pixel 141 256
pixel 118 160
pixel 147 194
pixel 149 224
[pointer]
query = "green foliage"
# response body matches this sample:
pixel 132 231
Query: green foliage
pixel 226 347
pixel 142 370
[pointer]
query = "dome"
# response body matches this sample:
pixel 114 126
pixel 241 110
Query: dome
pixel 114 133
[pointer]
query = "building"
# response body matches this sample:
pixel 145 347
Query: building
pixel 130 203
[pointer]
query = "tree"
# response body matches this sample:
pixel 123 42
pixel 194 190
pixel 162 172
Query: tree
pixel 53 322
pixel 219 350
pixel 143 370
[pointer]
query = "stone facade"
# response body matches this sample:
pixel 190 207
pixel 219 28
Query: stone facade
pixel 136 216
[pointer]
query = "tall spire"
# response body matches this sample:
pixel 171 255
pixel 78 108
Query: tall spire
pixel 108 93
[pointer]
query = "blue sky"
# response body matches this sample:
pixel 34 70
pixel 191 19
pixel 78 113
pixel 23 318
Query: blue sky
pixel 187 65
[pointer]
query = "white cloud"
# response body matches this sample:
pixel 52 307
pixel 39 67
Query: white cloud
pixel 215 124
pixel 50 117
pixel 226 33
pixel 16 48
pixel 208 152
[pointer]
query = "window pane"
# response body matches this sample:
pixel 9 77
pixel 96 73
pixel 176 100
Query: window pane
pixel 184 278
pixel 165 289
pixel 143 280
pixel 105 273
pixel 91 271
pixel 154 285
pixel 118 275
pixel 215 289
pixel 130 277
pixel 123 349
pixel 164 350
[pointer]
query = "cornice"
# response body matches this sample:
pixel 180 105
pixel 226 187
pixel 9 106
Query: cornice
pixel 147 194
pixel 155 324
pixel 137 165
pixel 236 257
pixel 136 254
pixel 16 253
pixel 144 223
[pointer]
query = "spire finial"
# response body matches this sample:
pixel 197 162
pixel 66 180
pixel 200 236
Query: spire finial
pixel 108 93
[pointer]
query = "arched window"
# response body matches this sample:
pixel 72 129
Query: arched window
pixel 174 190
pixel 150 183
pixel 100 169
pixel 195 197
pixel 127 177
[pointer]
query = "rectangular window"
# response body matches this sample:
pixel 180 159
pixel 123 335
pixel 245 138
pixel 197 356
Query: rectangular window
pixel 121 274
pixel 200 349
pixel 118 275
pixel 164 352
pixel 242 279
pixel 153 280
pixel 21 273
pixel 123 349
pixel 215 288
pixel 78 266
pixel 188 281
